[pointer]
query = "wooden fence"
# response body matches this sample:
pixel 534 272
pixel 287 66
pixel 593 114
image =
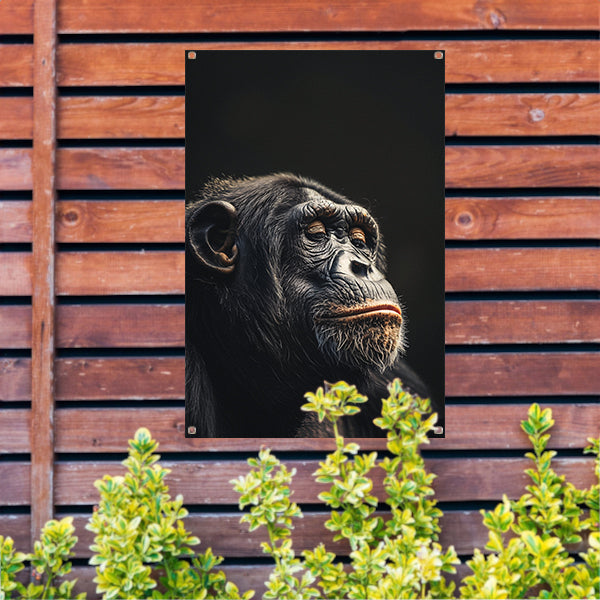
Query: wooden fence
pixel 91 264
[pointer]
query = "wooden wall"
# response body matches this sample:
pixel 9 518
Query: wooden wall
pixel 91 207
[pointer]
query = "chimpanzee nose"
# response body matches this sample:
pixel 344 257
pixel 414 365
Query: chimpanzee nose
pixel 350 264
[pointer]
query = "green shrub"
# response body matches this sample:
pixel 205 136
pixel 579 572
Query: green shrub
pixel 142 550
pixel 400 558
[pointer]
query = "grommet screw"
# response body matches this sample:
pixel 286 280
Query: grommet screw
pixel 192 55
pixel 192 430
pixel 439 55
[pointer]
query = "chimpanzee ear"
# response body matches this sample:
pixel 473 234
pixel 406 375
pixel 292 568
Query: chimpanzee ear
pixel 210 231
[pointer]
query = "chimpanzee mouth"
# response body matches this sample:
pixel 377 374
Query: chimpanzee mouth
pixel 343 313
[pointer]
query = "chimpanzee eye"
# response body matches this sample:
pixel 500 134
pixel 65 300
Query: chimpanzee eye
pixel 358 237
pixel 316 230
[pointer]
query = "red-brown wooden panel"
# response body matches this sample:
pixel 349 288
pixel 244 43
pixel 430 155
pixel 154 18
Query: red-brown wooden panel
pixel 480 374
pixel 15 169
pixel 16 65
pixel 106 273
pixel 522 218
pixel 227 537
pixel 16 118
pixel 134 16
pixel 84 326
pixel 162 220
pixel 16 274
pixel 121 117
pixel 522 114
pixel 466 114
pixel 15 434
pixel 522 322
pixel 15 221
pixel 162 325
pixel 161 272
pixel 530 374
pixel 495 269
pixel 467 427
pixel 16 484
pixel 16 16
pixel 466 167
pixel 522 166
pixel 15 326
pixel 120 221
pixel 208 482
pixel 466 61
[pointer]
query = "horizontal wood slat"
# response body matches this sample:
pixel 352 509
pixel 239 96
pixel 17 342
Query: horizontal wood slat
pixel 522 322
pixel 522 114
pixel 480 374
pixel 162 325
pixel 162 272
pixel 16 118
pixel 522 218
pixel 496 269
pixel 466 61
pixel 312 15
pixel 229 538
pixel 163 168
pixel 208 482
pixel 514 374
pixel 162 220
pixel 133 16
pixel 522 166
pixel 114 117
pixel 16 65
pixel 467 427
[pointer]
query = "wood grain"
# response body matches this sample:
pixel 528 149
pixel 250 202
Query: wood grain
pixel 501 61
pixel 311 15
pixel 15 437
pixel 467 427
pixel 523 322
pixel 162 378
pixel 522 218
pixel 15 221
pixel 162 272
pixel 121 117
pixel 466 167
pixel 522 166
pixel 467 218
pixel 223 532
pixel 530 374
pixel 43 265
pixel 163 116
pixel 107 273
pixel 494 269
pixel 120 221
pixel 16 65
pixel 162 325
pixel 15 169
pixel 16 16
pixel 522 114
pixel 208 482
pixel 16 118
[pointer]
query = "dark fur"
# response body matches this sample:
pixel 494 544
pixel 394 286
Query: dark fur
pixel 255 337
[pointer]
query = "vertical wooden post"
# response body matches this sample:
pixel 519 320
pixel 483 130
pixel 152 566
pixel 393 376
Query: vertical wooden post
pixel 43 300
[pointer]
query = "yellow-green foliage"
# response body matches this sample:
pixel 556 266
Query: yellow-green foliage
pixel 142 550
pixel 400 557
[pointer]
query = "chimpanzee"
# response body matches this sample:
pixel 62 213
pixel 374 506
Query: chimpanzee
pixel 285 288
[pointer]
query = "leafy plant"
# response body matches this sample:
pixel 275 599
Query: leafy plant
pixel 542 523
pixel 400 557
pixel 49 561
pixel 141 547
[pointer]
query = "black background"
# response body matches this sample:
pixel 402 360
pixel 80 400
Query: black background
pixel 367 124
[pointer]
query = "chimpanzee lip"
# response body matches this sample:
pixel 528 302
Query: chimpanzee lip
pixel 363 310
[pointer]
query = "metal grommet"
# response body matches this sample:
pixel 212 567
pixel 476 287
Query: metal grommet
pixel 192 430
pixel 191 55
pixel 438 55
